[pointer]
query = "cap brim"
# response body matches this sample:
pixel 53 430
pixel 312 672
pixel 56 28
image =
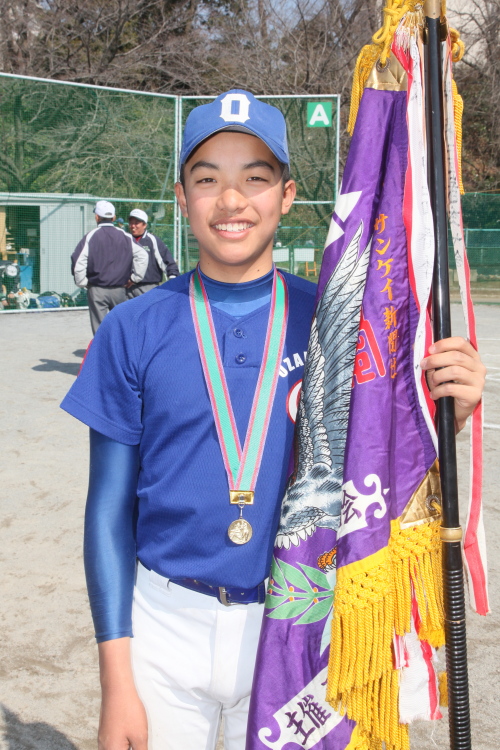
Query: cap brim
pixel 278 152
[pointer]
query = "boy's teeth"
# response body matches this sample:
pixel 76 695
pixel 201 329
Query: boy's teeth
pixel 237 227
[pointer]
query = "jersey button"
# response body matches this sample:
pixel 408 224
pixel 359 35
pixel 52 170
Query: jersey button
pixel 239 333
pixel 241 358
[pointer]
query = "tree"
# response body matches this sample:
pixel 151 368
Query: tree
pixel 267 46
pixel 478 79
pixel 79 140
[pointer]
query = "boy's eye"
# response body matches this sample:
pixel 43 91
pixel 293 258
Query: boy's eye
pixel 206 179
pixel 257 178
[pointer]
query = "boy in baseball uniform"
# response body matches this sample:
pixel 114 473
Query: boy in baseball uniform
pixel 187 391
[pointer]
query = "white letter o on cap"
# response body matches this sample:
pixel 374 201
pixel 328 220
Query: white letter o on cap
pixel 227 106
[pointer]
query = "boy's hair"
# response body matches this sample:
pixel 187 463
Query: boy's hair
pixel 285 174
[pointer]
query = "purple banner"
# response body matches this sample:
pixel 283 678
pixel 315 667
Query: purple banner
pixel 361 450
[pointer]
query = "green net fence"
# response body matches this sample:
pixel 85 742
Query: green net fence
pixel 63 146
pixel 481 215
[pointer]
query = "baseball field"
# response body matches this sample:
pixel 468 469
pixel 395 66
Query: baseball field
pixel 49 688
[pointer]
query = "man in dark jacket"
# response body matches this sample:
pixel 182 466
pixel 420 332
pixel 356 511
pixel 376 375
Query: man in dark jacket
pixel 160 259
pixel 107 261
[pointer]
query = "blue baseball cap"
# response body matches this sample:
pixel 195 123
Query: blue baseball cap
pixel 239 111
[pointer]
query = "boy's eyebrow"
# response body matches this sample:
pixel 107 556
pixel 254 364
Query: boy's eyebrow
pixel 251 165
pixel 205 164
pixel 259 163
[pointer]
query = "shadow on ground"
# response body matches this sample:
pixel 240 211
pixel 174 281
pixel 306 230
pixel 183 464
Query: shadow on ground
pixel 36 735
pixel 52 365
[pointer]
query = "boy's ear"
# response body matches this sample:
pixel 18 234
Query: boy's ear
pixel 181 199
pixel 289 193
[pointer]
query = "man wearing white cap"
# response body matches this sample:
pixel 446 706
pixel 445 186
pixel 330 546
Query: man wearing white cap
pixel 160 259
pixel 107 261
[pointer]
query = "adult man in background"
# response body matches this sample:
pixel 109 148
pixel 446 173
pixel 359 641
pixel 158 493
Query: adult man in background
pixel 160 260
pixel 107 261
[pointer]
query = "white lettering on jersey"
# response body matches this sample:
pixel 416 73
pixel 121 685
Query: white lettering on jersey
pixel 287 366
pixel 242 103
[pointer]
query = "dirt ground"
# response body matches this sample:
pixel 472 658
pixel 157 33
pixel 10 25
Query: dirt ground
pixel 48 669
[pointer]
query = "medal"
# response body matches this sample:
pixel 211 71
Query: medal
pixel 242 464
pixel 240 531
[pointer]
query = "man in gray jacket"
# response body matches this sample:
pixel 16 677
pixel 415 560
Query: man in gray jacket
pixel 160 260
pixel 107 261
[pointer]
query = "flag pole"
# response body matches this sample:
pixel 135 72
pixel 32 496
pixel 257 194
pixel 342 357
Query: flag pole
pixel 451 532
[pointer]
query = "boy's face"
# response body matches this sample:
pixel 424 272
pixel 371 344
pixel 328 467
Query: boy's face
pixel 234 197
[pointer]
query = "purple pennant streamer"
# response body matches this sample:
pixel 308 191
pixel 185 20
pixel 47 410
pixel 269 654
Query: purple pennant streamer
pixel 362 447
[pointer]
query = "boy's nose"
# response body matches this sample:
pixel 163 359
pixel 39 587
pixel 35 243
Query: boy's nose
pixel 231 200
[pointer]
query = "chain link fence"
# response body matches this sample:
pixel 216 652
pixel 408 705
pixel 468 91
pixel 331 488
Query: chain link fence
pixel 64 145
pixel 481 216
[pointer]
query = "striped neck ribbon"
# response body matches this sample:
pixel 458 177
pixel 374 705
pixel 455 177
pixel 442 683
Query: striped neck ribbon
pixel 242 463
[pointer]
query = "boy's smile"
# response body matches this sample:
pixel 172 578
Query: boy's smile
pixel 234 197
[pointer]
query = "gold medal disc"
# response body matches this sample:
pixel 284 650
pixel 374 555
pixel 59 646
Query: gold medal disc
pixel 240 531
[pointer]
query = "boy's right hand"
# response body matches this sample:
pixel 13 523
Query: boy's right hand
pixel 123 722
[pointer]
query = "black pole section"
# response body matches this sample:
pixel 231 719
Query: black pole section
pixel 451 533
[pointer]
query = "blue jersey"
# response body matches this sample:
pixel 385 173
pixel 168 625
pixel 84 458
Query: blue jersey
pixel 142 383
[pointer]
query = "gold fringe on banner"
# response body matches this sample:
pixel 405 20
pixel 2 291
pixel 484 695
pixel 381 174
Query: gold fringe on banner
pixel 416 554
pixel 458 110
pixel 457 46
pixel 443 689
pixel 358 741
pixel 393 14
pixel 373 600
pixel 364 64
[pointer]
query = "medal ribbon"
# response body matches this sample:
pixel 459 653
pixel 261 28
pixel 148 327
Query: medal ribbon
pixel 242 464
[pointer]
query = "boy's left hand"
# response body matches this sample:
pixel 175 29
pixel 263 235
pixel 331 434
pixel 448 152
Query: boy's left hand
pixel 454 368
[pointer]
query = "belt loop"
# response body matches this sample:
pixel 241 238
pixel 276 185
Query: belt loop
pixel 222 596
pixel 159 581
pixel 261 593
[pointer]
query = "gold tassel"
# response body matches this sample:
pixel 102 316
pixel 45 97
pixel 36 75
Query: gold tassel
pixel 457 46
pixel 443 689
pixel 458 109
pixel 373 599
pixel 364 64
pixel 417 557
pixel 393 13
pixel 358 741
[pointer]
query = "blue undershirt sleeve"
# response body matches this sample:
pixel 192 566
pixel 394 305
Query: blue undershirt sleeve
pixel 109 548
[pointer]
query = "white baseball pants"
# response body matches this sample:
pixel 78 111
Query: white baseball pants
pixel 193 661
